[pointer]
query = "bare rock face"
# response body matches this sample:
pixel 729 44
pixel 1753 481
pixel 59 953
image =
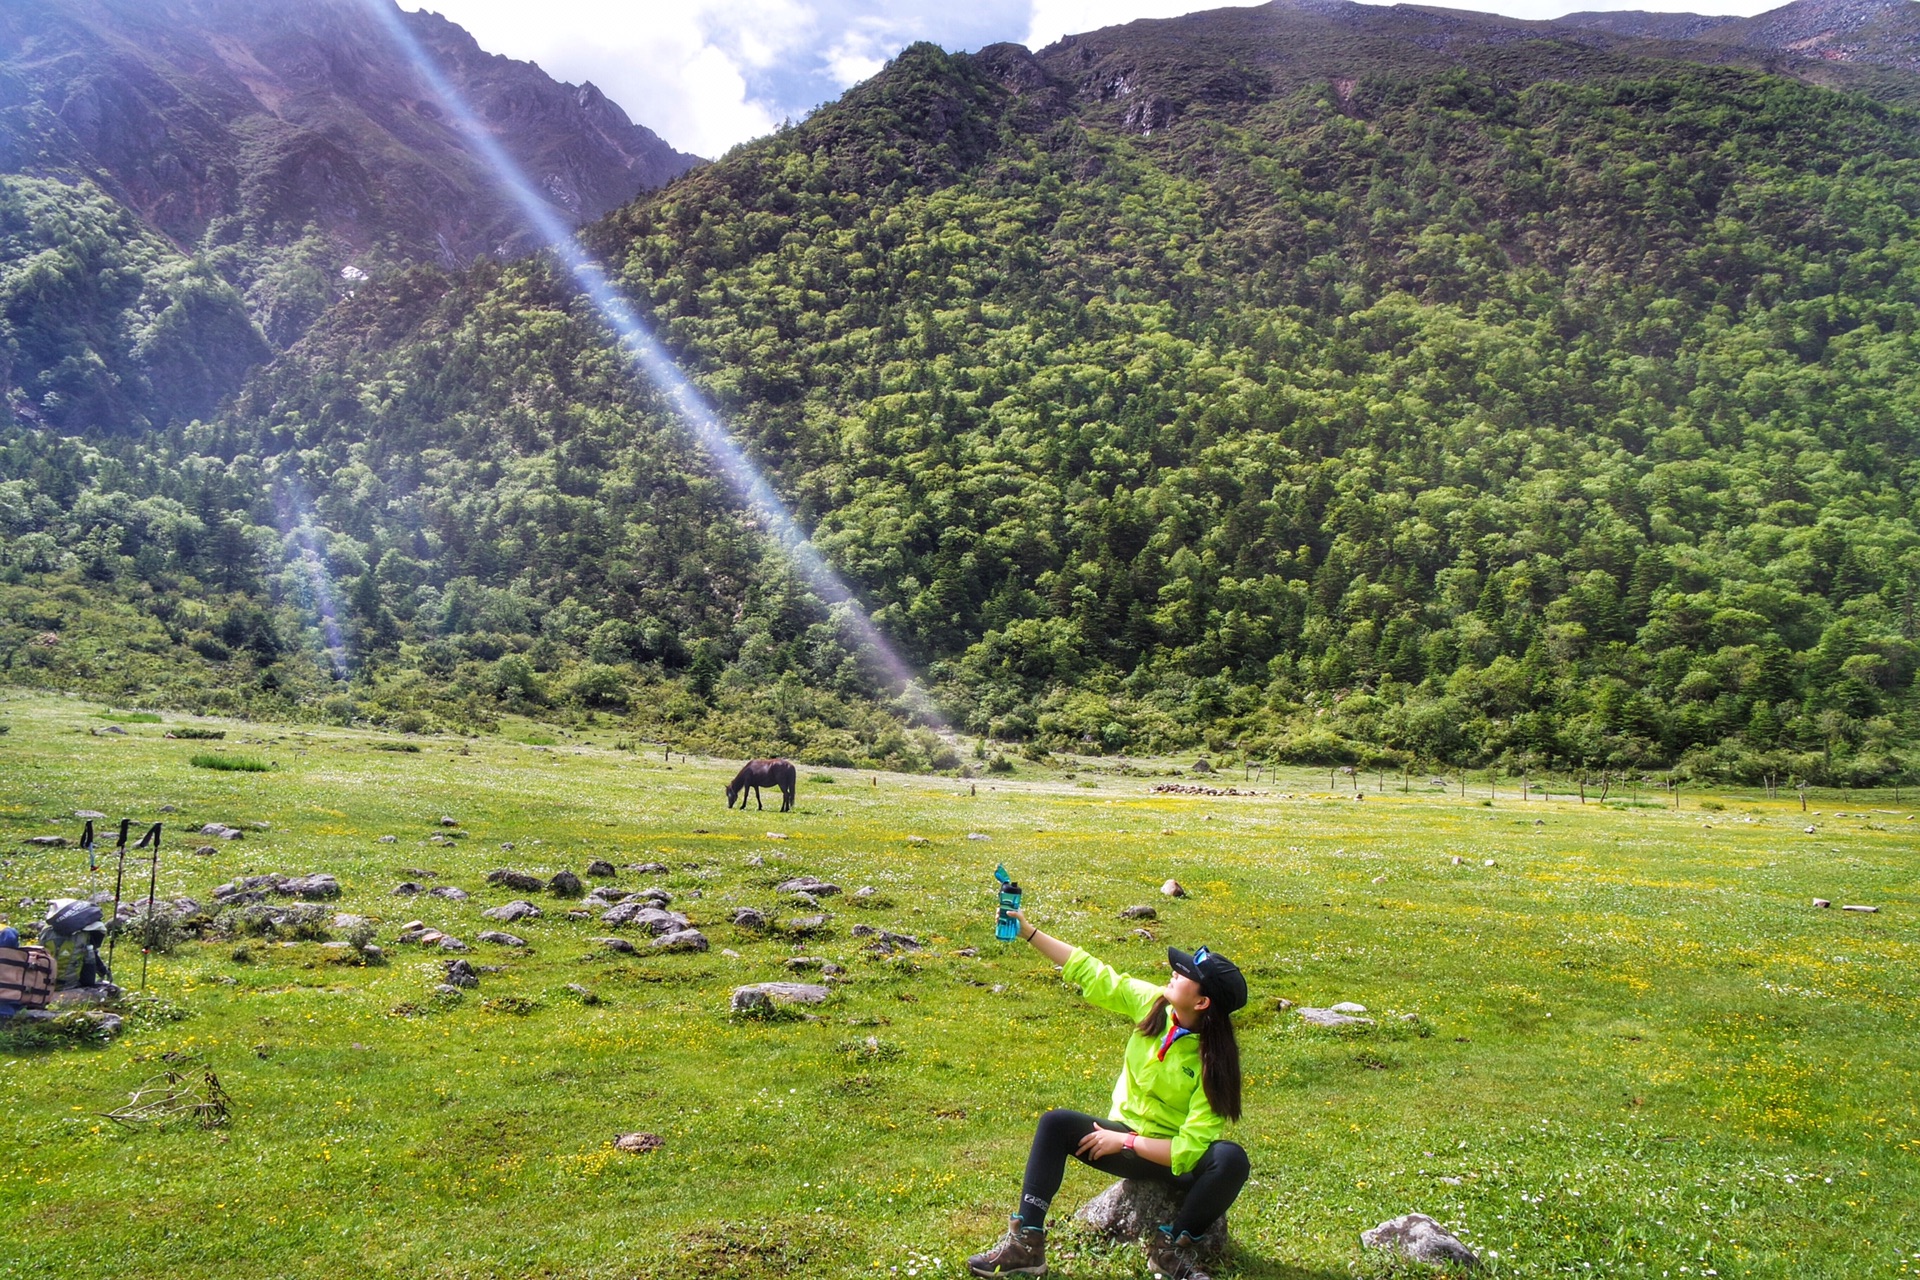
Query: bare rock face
pixel 1419 1237
pixel 1130 1208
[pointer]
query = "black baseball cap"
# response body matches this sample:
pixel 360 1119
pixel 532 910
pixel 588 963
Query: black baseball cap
pixel 1219 978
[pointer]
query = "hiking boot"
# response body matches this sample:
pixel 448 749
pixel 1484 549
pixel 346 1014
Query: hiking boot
pixel 1022 1253
pixel 1172 1259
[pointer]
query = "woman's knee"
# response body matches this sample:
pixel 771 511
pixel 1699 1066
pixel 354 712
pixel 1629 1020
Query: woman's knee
pixel 1230 1158
pixel 1060 1121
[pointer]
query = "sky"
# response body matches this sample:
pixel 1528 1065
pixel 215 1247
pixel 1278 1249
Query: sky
pixel 707 75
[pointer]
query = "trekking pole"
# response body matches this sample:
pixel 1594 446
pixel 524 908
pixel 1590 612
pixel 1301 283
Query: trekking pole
pixel 153 876
pixel 86 842
pixel 113 936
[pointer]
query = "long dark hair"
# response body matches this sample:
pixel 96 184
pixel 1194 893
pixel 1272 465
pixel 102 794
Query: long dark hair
pixel 1219 1053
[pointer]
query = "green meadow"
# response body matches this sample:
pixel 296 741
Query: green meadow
pixel 1610 1039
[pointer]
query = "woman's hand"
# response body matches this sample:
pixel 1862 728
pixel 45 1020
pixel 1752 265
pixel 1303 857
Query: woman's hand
pixel 1100 1144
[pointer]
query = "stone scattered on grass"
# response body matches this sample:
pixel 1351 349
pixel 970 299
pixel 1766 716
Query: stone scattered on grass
pixel 518 881
pixel 763 996
pixel 586 994
pixel 601 869
pixel 638 1143
pixel 1822 902
pixel 1348 1006
pixel 257 888
pixel 518 909
pixel 1128 1209
pixel 616 944
pixel 1328 1018
pixel 813 886
pixel 642 914
pixel 1416 1236
pixel 1865 910
pixel 447 943
pixel 452 893
pixel 94 814
pixel 805 926
pixel 461 974
pixel 648 868
pixel 389 839
pixel 749 918
pixel 565 884
pixel 1173 889
pixel 449 822
pixel 681 940
pixel 499 939
pixel 221 831
pixel 1142 912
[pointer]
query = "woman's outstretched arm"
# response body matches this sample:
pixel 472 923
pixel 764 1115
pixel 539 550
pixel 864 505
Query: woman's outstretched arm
pixel 1050 947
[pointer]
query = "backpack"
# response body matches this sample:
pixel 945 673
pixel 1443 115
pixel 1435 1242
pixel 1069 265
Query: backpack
pixel 71 915
pixel 26 979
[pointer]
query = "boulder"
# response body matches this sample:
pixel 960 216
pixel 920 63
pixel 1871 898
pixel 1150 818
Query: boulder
pixel 1328 1018
pixel 808 885
pixel 749 918
pixel 500 939
pixel 461 974
pixel 450 944
pixel 518 909
pixel 565 884
pixel 805 926
pixel 648 868
pixel 681 940
pixel 601 869
pixel 312 886
pixel 518 881
pixel 638 1143
pixel 1142 912
pixel 452 893
pixel 644 915
pixel 406 889
pixel 1174 889
pixel 1348 1006
pixel 616 944
pixel 765 995
pixel 1130 1208
pixel 1416 1236
pixel 221 831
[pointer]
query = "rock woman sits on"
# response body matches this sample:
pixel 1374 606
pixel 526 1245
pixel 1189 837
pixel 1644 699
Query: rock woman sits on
pixel 1179 1084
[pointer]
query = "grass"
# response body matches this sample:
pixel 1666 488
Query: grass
pixel 1638 1049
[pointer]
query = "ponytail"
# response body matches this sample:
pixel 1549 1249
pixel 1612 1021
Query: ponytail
pixel 1219 1053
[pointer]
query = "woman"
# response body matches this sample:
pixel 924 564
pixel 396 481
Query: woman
pixel 1179 1085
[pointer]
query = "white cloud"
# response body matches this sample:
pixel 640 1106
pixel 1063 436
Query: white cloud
pixel 1055 18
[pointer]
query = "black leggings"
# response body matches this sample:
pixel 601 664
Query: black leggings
pixel 1210 1186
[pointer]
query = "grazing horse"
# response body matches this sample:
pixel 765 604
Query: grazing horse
pixel 756 774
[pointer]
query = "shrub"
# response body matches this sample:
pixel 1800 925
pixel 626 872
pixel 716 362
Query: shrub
pixel 195 732
pixel 232 764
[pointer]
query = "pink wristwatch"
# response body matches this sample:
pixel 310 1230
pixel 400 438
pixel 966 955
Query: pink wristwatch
pixel 1131 1139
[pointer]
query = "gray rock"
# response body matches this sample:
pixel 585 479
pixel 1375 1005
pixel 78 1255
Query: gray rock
pixel 389 839
pixel 1348 1006
pixel 313 886
pixel 450 944
pixel 1142 912
pixel 451 893
pixel 765 995
pixel 600 868
pixel 802 963
pixel 1174 889
pixel 205 850
pixel 518 909
pixel 681 940
pixel 372 954
pixel 803 900
pixel 446 989
pixel 460 973
pixel 565 884
pixel 449 822
pixel 748 918
pixel 89 813
pixel 518 881
pixel 46 842
pixel 114 729
pixel 1130 1208
pixel 221 831
pixel 406 889
pixel 648 868
pixel 346 922
pixel 809 885
pixel 805 926
pixel 1328 1018
pixel 659 897
pixel 1416 1236
pixel 866 891
pixel 616 944
pixel 500 939
pixel 644 915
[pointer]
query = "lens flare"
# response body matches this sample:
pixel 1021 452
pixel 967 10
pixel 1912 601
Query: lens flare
pixel 294 517
pixel 651 359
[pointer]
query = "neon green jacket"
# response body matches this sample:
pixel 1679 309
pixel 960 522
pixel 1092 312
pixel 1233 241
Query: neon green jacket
pixel 1155 1098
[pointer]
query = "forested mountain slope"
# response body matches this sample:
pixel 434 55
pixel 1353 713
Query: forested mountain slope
pixel 1555 404
pixel 277 146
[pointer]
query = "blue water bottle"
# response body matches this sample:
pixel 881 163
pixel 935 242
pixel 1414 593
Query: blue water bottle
pixel 1005 927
